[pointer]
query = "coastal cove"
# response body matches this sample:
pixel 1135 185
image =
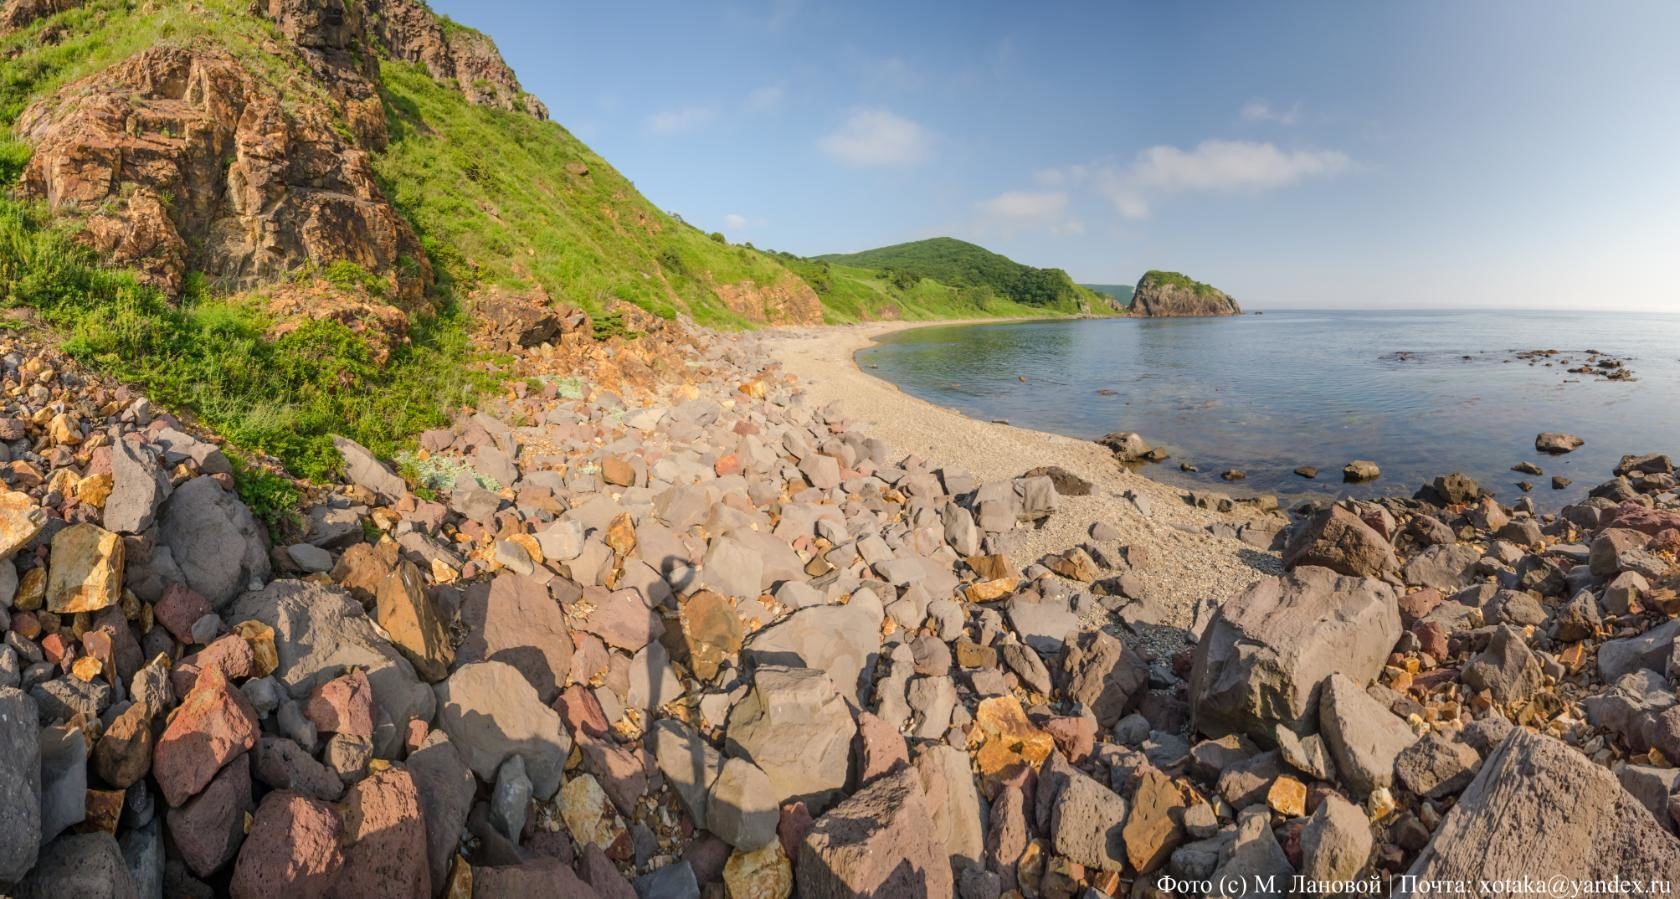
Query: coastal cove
pixel 1421 393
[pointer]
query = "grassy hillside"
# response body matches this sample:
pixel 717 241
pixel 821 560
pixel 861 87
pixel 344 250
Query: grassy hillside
pixel 1120 293
pixel 502 199
pixel 851 293
pixel 964 265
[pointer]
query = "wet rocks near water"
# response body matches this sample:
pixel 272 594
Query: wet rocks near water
pixel 1360 470
pixel 1557 443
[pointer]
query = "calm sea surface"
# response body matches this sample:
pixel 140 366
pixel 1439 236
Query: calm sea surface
pixel 1419 393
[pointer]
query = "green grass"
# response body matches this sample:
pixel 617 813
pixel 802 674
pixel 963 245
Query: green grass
pixel 283 396
pixel 851 294
pixel 496 205
pixel 964 265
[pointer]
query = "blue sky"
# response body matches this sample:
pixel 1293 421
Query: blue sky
pixel 1330 154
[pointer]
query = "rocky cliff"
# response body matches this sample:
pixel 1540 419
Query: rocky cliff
pixel 1165 294
pixel 230 145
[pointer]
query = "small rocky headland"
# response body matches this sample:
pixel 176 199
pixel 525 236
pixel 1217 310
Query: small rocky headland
pixel 664 605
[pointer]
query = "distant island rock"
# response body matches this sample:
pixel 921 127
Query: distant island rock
pixel 1165 294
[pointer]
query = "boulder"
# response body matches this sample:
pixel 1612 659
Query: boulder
pixel 514 619
pixel 1263 656
pixel 490 711
pixel 319 632
pixel 20 785
pixel 218 544
pixel 365 470
pixel 213 725
pixel 1341 541
pixel 841 640
pixel 292 852
pixel 208 829
pixel 406 611
pixel 1557 443
pixel 385 840
pixel 1336 843
pixel 1105 675
pixel 83 865
pixel 876 843
pixel 1364 737
pixel 86 572
pixel 1086 823
pixel 1541 809
pixel 796 727
pixel 742 807
pixel 1507 669
pixel 446 788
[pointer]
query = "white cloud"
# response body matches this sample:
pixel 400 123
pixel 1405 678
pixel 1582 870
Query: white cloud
pixel 1014 211
pixel 766 98
pixel 1233 165
pixel 1212 166
pixel 877 138
pixel 1026 204
pixel 678 120
pixel 734 221
pixel 1258 110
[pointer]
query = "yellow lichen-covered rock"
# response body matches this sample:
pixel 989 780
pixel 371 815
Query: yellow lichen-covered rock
pixel 21 520
pixel 95 489
pixel 86 571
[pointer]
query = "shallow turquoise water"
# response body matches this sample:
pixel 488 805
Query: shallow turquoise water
pixel 1419 393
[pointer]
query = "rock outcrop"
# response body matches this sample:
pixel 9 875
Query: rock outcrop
pixel 180 160
pixel 452 53
pixel 1170 294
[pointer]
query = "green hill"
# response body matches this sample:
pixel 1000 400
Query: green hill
pixel 965 265
pixel 1120 293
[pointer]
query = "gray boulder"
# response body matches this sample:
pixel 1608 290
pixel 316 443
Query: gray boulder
pixel 490 712
pixel 365 470
pixel 1364 737
pixel 841 640
pixel 85 865
pixel 1540 809
pixel 1336 843
pixel 20 785
pixel 217 543
pixel 1263 656
pixel 138 486
pixel 795 726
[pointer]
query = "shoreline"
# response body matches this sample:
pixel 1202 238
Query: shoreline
pixel 1187 563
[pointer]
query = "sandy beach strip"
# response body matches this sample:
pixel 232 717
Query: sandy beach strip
pixel 1184 564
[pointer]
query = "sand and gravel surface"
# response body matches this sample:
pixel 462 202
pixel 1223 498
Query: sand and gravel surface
pixel 1186 563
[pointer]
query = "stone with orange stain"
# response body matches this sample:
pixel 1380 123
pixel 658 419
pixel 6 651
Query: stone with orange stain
pixel 1003 739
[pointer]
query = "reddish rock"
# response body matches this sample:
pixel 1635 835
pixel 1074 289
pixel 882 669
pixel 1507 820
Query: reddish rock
pixel 539 878
pixel 793 826
pixel 1075 735
pixel 292 851
pixel 228 654
pixel 877 843
pixel 178 608
pixel 726 465
pixel 385 840
pixel 880 749
pixel 343 705
pixel 208 829
pixel 214 724
pixel 1416 605
pixel 1636 517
